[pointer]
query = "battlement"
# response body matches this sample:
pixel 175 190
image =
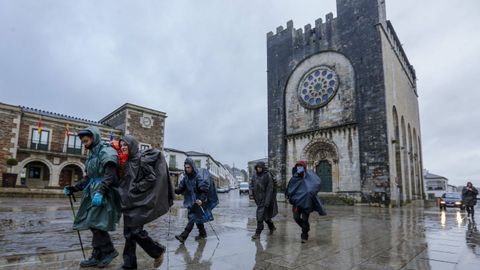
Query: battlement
pixel 307 35
pixel 398 48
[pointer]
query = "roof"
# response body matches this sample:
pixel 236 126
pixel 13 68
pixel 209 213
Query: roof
pixel 195 153
pixel 135 107
pixel 174 150
pixel 432 176
pixel 59 116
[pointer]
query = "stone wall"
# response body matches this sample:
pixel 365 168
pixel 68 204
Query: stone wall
pixel 401 96
pixel 152 135
pixel 9 121
pixel 344 160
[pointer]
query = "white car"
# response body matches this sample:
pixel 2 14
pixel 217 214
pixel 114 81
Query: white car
pixel 244 187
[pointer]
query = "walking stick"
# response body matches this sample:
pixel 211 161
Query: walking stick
pixel 211 226
pixel 78 232
pixel 168 236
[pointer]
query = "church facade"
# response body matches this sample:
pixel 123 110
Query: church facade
pixel 342 96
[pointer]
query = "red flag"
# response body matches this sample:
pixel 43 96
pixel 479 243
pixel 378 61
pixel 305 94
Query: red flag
pixel 39 128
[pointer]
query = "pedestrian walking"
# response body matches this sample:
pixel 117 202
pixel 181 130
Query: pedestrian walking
pixel 469 195
pixel 99 209
pixel 302 192
pixel 146 194
pixel 199 197
pixel 264 191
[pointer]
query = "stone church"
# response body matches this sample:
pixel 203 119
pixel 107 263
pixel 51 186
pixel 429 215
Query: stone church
pixel 342 96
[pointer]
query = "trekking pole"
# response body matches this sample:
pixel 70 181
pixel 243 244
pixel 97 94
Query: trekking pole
pixel 78 232
pixel 168 236
pixel 211 226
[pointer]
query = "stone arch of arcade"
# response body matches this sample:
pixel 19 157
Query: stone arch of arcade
pixel 70 172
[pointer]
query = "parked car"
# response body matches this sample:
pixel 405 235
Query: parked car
pixel 222 190
pixel 451 199
pixel 244 187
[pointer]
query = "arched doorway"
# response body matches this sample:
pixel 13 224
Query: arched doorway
pixel 322 157
pixel 69 175
pixel 35 174
pixel 324 170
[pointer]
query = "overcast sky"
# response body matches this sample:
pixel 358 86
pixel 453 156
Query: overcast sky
pixel 204 62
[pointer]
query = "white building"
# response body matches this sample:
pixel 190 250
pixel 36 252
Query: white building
pixel 435 185
pixel 176 158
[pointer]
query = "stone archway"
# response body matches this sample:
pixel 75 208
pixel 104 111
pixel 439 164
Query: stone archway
pixel 321 156
pixel 34 172
pixel 70 173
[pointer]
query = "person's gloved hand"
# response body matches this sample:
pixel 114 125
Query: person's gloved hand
pixel 97 199
pixel 69 190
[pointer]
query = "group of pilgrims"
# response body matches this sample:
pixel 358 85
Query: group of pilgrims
pixel 122 180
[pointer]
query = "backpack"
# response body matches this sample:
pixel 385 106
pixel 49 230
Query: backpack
pixel 212 197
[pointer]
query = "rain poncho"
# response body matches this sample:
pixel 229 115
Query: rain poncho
pixel 264 191
pixel 105 216
pixel 145 189
pixel 302 192
pixel 199 185
pixel 469 197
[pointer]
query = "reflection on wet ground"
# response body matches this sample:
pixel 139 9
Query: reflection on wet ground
pixel 36 234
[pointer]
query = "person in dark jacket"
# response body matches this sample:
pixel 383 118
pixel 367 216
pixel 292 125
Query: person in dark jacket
pixel 195 186
pixel 100 208
pixel 264 193
pixel 146 193
pixel 302 192
pixel 469 194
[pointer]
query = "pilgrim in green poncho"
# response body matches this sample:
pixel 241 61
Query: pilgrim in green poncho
pixel 100 208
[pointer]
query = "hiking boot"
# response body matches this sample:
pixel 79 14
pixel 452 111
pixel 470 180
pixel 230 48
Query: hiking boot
pixel 256 236
pixel 180 238
pixel 90 262
pixel 93 260
pixel 304 237
pixel 159 260
pixel 200 237
pixel 107 259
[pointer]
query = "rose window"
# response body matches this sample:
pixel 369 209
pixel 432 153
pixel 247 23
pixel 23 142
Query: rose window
pixel 317 87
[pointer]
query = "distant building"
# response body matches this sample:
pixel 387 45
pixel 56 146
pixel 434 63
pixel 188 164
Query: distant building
pixel 452 188
pixel 48 150
pixel 435 185
pixel 176 158
pixel 239 174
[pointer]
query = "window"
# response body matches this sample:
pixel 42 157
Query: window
pixel 34 172
pixel 74 145
pixel 172 162
pixel 39 141
pixel 198 163
pixel 144 146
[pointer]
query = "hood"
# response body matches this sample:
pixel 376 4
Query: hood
pixel 301 163
pixel 261 165
pixel 132 145
pixel 190 162
pixel 97 138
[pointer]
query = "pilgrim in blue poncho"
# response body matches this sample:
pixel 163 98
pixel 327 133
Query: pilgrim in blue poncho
pixel 199 197
pixel 302 192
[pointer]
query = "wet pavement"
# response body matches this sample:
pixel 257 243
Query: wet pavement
pixel 36 234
